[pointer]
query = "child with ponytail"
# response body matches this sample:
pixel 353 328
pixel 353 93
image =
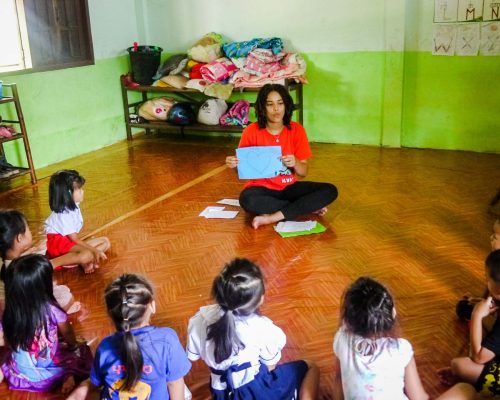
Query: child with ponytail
pixel 139 361
pixel 241 347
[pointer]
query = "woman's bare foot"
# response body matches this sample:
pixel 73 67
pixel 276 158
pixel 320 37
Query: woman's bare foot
pixel 321 211
pixel 446 376
pixel 68 385
pixel 266 219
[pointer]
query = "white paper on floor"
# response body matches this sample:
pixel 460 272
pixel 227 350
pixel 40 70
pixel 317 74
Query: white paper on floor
pixel 230 202
pixel 218 212
pixel 294 226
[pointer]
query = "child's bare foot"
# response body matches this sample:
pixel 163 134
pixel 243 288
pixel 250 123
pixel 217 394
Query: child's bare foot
pixel 84 313
pixel 260 220
pixel 89 268
pixel 446 376
pixel 266 219
pixel 321 211
pixel 68 385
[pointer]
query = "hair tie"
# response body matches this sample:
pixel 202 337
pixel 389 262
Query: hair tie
pixel 124 301
pixel 125 319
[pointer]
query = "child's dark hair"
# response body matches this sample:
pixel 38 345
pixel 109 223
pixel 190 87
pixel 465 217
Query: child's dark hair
pixel 367 309
pixel 28 297
pixel 61 187
pixel 127 299
pixel 12 224
pixel 260 104
pixel 238 290
pixel 493 266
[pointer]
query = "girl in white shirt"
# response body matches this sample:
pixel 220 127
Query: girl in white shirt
pixel 375 363
pixel 241 347
pixel 66 221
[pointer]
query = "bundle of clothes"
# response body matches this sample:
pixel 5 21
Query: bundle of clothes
pixel 215 69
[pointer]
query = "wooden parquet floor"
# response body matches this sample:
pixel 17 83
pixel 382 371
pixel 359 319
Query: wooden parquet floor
pixel 415 219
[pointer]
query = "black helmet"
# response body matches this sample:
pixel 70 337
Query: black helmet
pixel 181 114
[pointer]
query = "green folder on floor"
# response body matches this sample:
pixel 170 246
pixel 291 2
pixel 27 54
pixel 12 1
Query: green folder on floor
pixel 317 229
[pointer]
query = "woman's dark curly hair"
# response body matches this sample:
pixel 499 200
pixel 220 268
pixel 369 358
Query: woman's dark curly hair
pixel 260 104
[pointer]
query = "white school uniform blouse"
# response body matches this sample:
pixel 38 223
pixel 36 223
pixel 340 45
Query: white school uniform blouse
pixel 262 339
pixel 372 369
pixel 64 223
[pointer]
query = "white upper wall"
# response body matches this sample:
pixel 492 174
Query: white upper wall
pixel 312 26
pixel 305 26
pixel 115 26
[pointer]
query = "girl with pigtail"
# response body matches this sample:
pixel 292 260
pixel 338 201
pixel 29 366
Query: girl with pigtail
pixel 242 347
pixel 139 361
pixel 374 362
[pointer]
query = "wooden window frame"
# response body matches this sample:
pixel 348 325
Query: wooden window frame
pixel 29 46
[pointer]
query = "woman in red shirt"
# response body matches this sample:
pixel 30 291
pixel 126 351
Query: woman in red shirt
pixel 282 197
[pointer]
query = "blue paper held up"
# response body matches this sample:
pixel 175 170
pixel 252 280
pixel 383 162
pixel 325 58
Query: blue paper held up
pixel 259 162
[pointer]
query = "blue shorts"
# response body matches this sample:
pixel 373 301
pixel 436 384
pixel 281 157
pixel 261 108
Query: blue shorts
pixel 283 382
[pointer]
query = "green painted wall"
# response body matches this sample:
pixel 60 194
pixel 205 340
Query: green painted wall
pixel 451 102
pixel 374 98
pixel 71 111
pixel 365 86
pixel 343 102
pixel 410 99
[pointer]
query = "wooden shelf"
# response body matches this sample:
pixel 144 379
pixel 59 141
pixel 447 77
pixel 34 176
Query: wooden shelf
pixel 22 171
pixel 196 127
pixel 21 134
pixel 194 96
pixel 6 99
pixel 14 136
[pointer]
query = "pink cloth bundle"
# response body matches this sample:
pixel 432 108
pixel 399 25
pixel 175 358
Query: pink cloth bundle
pixel 218 70
pixel 237 114
pixel 7 131
pixel 263 61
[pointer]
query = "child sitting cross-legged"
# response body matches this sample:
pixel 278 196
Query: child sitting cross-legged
pixel 44 352
pixel 375 363
pixel 242 347
pixel 481 368
pixel 139 361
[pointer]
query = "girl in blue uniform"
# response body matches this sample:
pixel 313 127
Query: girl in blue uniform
pixel 242 347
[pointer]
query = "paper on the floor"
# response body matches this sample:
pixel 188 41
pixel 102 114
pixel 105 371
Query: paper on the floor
pixel 294 226
pixel 230 202
pixel 210 209
pixel 317 229
pixel 218 212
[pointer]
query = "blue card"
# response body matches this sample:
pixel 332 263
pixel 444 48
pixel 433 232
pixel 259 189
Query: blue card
pixel 259 162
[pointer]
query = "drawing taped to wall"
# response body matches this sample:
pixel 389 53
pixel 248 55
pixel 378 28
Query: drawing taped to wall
pixel 444 37
pixel 491 10
pixel 470 10
pixel 490 39
pixel 445 10
pixel 468 40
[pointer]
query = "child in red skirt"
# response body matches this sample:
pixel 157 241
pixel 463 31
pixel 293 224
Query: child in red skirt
pixel 66 221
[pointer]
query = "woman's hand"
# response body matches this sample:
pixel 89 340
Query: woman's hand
pixel 232 161
pixel 290 161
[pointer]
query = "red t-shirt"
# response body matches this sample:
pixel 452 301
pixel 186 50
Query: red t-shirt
pixel 292 141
